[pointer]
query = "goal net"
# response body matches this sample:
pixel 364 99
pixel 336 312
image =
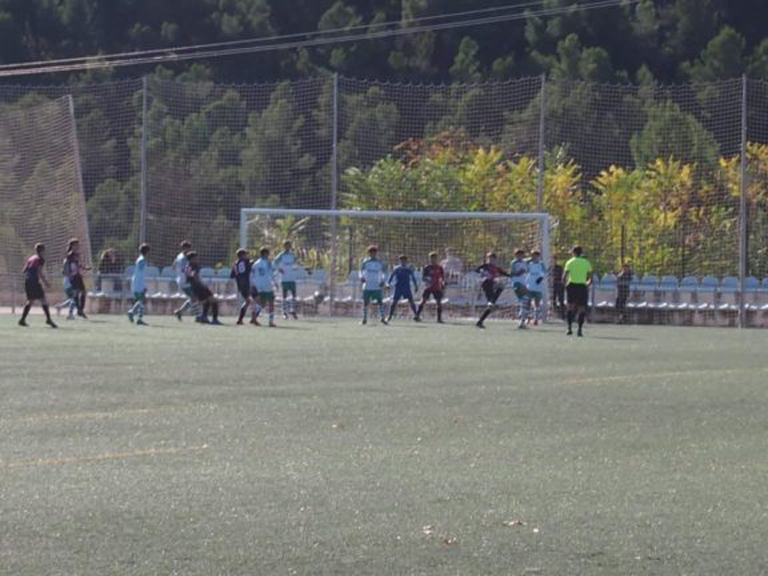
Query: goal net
pixel 41 190
pixel 331 245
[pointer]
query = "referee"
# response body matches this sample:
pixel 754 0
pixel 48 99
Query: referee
pixel 577 278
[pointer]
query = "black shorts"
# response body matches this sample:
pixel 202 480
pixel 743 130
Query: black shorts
pixel 578 294
pixel 429 292
pixel 34 290
pixel 201 292
pixel 244 289
pixel 492 291
pixel 254 292
pixel 78 283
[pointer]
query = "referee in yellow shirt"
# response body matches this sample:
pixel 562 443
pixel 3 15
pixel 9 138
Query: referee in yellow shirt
pixel 577 277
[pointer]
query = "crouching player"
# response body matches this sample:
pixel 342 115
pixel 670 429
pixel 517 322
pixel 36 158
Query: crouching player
pixel 403 276
pixel 536 283
pixel 492 285
pixel 433 276
pixel 372 274
pixel 519 272
pixel 34 279
pixel 263 280
pixel 241 272
pixel 139 287
pixel 200 291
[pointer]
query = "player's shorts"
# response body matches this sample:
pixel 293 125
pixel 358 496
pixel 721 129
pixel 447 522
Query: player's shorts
pixel 376 295
pixel 289 287
pixel 535 295
pixel 78 283
pixel 244 289
pixel 521 291
pixel 429 292
pixel 201 292
pixel 34 290
pixel 492 291
pixel 578 294
pixel 254 292
pixel 403 294
pixel 267 296
pixel 140 296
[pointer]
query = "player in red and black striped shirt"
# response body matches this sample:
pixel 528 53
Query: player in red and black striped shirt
pixel 34 279
pixel 433 276
pixel 492 285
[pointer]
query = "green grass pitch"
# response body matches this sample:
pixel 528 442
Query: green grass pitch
pixel 325 447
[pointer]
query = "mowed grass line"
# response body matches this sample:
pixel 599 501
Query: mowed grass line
pixel 324 447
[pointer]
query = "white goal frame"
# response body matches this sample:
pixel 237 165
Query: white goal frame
pixel 334 215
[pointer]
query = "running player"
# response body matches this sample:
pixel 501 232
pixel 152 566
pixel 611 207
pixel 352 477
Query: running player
pixel 536 283
pixel 263 279
pixel 241 272
pixel 285 264
pixel 372 274
pixel 433 276
pixel 34 280
pixel 519 272
pixel 179 266
pixel 492 285
pixel 577 279
pixel 139 287
pixel 200 291
pixel 73 272
pixel 403 276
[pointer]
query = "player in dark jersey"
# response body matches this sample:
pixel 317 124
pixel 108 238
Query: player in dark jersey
pixel 433 276
pixel 492 285
pixel 200 291
pixel 34 279
pixel 241 272
pixel 403 276
pixel 73 272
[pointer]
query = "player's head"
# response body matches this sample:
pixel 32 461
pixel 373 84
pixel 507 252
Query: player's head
pixel 287 245
pixel 577 251
pixel 73 245
pixel 241 253
pixel 535 255
pixel 373 250
pixel 403 259
pixel 626 265
pixel 433 257
pixel 264 252
pixel 144 249
pixel 490 257
pixel 186 245
pixel 519 253
pixel 39 248
pixel 449 251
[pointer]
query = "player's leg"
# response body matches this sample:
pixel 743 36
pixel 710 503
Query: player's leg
pixel 285 299
pixel 439 299
pixel 270 305
pixel 366 303
pixel 256 310
pixel 582 311
pixel 245 300
pixel 141 300
pixel 294 300
pixel 393 306
pixel 215 311
pixel 570 314
pixel 492 295
pixel 47 312
pixel 424 300
pixel 25 313
pixel 412 304
pixel 382 309
pixel 523 305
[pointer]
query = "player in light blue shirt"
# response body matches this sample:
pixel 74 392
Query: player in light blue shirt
pixel 519 272
pixel 139 287
pixel 536 282
pixel 372 276
pixel 285 264
pixel 263 281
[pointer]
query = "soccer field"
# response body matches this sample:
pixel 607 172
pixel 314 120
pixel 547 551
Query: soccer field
pixel 325 447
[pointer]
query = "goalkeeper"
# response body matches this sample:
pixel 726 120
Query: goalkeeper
pixel 536 283
pixel 403 276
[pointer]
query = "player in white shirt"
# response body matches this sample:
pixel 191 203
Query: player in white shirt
pixel 139 286
pixel 263 281
pixel 519 272
pixel 373 276
pixel 536 282
pixel 179 267
pixel 285 264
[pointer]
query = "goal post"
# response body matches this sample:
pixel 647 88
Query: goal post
pixel 332 243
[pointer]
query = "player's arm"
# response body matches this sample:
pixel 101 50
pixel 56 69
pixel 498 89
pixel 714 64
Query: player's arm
pixel 391 276
pixel 44 279
pixel 589 275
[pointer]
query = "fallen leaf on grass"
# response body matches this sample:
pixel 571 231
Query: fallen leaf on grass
pixel 512 523
pixel 450 541
pixel 429 529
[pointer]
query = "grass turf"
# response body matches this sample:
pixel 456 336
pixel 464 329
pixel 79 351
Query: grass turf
pixel 324 447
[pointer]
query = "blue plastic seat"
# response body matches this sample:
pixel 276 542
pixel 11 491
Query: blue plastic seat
pixel 669 283
pixel 730 284
pixel 709 284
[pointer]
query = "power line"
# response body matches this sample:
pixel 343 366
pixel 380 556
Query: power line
pixel 167 56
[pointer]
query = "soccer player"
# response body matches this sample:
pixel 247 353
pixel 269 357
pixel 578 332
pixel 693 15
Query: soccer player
pixel 372 274
pixel 492 285
pixel 285 264
pixel 34 279
pixel 179 266
pixel 535 283
pixel 403 276
pixel 200 291
pixel 139 287
pixel 263 279
pixel 241 272
pixel 433 276
pixel 72 272
pixel 623 283
pixel 519 273
pixel 577 279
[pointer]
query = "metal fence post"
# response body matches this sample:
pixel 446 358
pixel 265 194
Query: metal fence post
pixel 144 160
pixel 334 193
pixel 542 147
pixel 743 210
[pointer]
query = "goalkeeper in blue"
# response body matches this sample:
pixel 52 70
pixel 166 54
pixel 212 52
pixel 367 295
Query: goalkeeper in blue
pixel 139 287
pixel 404 277
pixel 536 282
pixel 372 275
pixel 519 273
pixel 285 264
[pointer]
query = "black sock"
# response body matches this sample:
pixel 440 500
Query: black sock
pixel 421 307
pixel 206 307
pixel 439 311
pixel 243 310
pixel 582 317
pixel 570 319
pixel 27 308
pixel 81 303
pixel 485 314
pixel 47 311
pixel 215 307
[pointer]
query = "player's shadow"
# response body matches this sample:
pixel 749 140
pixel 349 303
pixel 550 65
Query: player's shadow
pixel 627 338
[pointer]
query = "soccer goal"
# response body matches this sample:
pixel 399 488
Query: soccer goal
pixel 331 245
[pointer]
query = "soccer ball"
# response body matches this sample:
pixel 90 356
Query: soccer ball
pixel 319 297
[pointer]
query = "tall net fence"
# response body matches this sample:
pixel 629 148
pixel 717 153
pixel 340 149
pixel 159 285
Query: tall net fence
pixel 650 175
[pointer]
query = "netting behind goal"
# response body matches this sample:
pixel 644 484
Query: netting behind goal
pixel 41 189
pixel 331 246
